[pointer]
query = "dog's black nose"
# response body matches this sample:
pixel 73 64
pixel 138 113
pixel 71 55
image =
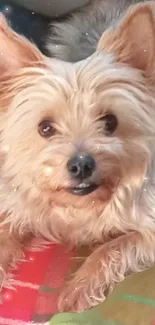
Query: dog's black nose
pixel 81 166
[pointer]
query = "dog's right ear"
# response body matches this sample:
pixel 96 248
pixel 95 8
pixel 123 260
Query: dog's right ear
pixel 132 41
pixel 16 51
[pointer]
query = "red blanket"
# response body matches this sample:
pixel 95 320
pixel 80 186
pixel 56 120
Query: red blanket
pixel 36 283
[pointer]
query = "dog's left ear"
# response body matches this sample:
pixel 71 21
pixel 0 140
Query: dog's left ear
pixel 133 39
pixel 15 50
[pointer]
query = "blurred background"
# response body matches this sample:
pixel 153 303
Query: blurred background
pixel 32 17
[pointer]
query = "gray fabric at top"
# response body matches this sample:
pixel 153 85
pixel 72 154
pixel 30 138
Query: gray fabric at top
pixel 51 8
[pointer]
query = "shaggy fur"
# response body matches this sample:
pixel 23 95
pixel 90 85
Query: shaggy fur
pixel 74 38
pixel 119 216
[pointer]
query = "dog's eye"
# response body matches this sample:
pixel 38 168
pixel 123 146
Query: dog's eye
pixel 111 123
pixel 46 129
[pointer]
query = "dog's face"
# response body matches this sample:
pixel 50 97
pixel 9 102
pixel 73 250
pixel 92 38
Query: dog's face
pixel 75 135
pixel 76 141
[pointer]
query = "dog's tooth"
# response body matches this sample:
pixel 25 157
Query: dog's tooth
pixel 83 185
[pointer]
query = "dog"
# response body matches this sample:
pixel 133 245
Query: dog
pixel 78 155
pixel 76 36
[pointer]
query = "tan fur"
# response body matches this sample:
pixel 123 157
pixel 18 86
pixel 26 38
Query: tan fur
pixel 120 215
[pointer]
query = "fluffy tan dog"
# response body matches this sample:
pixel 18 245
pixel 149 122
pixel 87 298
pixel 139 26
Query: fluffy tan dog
pixel 77 148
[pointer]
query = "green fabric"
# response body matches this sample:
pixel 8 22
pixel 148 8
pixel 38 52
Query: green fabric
pixel 131 303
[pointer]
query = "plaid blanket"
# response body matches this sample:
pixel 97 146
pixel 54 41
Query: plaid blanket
pixel 37 282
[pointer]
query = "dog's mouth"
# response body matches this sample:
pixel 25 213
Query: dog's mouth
pixel 83 189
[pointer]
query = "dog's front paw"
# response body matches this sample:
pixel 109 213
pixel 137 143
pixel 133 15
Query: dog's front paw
pixel 73 298
pixel 80 294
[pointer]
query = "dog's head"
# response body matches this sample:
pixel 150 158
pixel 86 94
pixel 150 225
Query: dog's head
pixel 76 138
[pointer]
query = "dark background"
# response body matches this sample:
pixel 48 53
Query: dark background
pixel 25 22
